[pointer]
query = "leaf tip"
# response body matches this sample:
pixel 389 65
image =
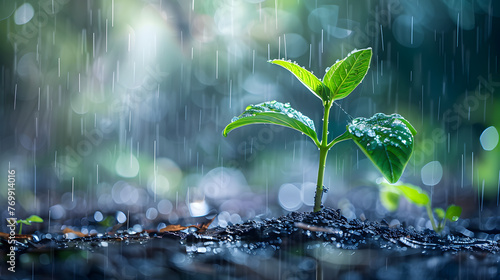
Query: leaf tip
pixel 408 125
pixel 225 132
pixel 274 61
pixel 392 179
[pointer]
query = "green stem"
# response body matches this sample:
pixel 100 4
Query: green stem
pixel 323 152
pixel 20 228
pixel 442 224
pixel 431 217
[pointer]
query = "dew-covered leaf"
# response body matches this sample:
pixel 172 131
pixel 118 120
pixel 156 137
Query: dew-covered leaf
pixel 453 213
pixel 305 77
pixel 274 112
pixel 386 140
pixel 346 74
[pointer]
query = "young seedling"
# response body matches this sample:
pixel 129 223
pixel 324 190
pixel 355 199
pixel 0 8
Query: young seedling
pixel 28 221
pixel 390 194
pixel 386 140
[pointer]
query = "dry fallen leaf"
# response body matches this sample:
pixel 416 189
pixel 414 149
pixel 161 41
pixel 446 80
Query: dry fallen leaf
pixel 201 227
pixel 173 228
pixel 6 236
pixel 77 233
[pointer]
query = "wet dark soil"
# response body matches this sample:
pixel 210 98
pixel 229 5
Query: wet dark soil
pixel 330 226
pixel 295 246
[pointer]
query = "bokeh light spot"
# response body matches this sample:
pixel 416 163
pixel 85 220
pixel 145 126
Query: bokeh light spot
pixel 289 197
pixel 198 208
pixel 165 206
pixel 121 217
pixel 98 217
pixel 57 212
pixel 307 193
pixel 432 173
pixel 27 67
pixel 489 138
pixel 24 14
pixel 296 45
pixel 152 213
pixel 79 103
pixel 324 18
pixel 159 185
pixel 223 183
pixel 127 166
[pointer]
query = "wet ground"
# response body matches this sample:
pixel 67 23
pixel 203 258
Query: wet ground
pixel 295 246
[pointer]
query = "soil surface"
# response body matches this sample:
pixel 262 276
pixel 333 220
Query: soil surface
pixel 295 246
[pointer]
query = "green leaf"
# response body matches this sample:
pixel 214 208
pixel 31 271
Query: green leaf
pixel 274 112
pixel 414 194
pixel 346 74
pixel 410 127
pixel 439 213
pixel 453 213
pixel 305 77
pixel 386 140
pixel 389 199
pixel 24 222
pixel 34 219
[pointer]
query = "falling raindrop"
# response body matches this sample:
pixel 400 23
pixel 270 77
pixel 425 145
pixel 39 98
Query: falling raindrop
pixel 482 196
pixel 382 37
pixel 217 64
